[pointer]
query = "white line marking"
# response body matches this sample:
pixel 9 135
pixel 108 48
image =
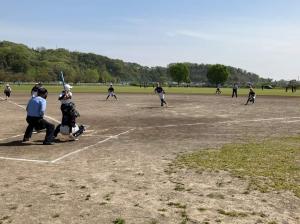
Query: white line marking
pixel 293 121
pixel 15 136
pixel 18 105
pixel 219 122
pixel 89 131
pixel 90 146
pixel 25 160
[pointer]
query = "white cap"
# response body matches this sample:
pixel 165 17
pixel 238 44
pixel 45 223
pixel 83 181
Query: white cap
pixel 111 83
pixel 68 87
pixel 7 84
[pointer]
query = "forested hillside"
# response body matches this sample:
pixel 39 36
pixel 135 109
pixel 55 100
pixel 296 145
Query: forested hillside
pixel 21 63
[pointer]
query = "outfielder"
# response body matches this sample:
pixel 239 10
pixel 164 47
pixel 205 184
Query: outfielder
pixel 7 91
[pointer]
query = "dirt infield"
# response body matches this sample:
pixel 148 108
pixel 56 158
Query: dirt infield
pixel 120 167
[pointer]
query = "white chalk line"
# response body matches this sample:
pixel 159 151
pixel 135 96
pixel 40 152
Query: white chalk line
pixel 220 122
pixel 90 146
pixel 293 121
pixel 15 136
pixel 68 154
pixel 25 160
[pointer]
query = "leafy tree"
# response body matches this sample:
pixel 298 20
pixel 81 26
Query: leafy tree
pixel 217 74
pixel 179 72
pixel 106 77
pixel 18 62
pixel 91 75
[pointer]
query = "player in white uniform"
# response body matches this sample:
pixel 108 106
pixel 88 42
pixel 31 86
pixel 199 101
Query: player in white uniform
pixel 66 95
pixel 7 91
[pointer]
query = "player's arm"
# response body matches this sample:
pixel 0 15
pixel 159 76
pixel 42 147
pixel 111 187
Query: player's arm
pixel 42 108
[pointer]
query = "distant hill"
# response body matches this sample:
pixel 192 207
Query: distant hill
pixel 21 63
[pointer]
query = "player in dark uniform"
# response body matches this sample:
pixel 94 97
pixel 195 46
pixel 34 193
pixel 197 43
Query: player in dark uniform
pixel 251 96
pixel 218 90
pixel 161 93
pixel 68 124
pixel 111 92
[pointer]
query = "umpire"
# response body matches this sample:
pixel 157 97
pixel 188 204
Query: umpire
pixel 36 108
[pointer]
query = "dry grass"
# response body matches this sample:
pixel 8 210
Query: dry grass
pixel 270 165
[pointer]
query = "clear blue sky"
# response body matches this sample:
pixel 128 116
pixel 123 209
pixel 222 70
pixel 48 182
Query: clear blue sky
pixel 261 36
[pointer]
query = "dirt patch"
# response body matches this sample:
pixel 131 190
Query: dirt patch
pixel 128 177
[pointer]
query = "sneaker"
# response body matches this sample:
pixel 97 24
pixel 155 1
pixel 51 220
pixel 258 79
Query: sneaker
pixel 80 131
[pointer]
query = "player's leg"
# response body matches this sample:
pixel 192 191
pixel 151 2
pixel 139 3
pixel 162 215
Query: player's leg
pixel 28 133
pixel 49 131
pixel 248 100
pixel 57 130
pixel 164 101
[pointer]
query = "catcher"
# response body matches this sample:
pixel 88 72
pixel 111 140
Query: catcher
pixel 68 125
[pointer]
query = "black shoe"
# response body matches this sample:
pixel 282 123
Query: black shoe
pixel 80 131
pixel 48 143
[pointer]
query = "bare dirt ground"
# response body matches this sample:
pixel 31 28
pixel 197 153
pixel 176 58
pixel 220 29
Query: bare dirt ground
pixel 120 168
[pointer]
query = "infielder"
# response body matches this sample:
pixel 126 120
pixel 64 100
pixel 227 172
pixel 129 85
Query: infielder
pixel 251 96
pixel 161 93
pixel 111 92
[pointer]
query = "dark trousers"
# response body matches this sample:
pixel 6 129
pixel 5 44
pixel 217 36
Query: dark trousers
pixel 162 102
pixel 234 93
pixel 57 130
pixel 39 123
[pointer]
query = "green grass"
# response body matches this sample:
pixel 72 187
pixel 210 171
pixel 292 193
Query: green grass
pixel 136 89
pixel 232 213
pixel 271 165
pixel 119 221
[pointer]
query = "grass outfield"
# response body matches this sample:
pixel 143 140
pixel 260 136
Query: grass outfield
pixel 270 165
pixel 172 90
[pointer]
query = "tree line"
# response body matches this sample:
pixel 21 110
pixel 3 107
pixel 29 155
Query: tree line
pixel 21 63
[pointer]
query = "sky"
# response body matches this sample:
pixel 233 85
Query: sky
pixel 260 36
